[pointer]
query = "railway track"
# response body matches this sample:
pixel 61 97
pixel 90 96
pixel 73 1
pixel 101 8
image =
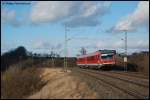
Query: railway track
pixel 137 75
pixel 133 75
pixel 110 74
pixel 129 91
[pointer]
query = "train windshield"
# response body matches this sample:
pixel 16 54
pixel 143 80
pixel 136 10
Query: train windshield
pixel 106 57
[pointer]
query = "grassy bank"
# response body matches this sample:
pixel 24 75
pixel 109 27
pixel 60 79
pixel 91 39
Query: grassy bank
pixel 18 82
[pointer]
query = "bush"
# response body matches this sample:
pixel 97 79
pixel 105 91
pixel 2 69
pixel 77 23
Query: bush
pixel 18 83
pixel 136 62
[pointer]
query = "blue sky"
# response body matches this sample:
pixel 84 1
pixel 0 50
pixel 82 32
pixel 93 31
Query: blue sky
pixel 39 26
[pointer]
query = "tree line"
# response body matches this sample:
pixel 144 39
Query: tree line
pixel 20 54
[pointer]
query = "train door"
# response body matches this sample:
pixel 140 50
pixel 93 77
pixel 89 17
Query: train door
pixel 98 61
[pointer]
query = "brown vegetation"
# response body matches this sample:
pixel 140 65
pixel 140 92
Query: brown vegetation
pixel 142 62
pixel 19 82
pixel 138 62
pixel 22 77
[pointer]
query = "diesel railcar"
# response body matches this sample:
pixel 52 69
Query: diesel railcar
pixel 97 59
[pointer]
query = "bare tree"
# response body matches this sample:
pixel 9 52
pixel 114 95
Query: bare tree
pixel 83 51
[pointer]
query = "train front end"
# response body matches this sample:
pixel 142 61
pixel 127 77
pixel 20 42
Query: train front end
pixel 107 57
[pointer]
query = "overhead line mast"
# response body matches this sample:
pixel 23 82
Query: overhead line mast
pixel 125 56
pixel 65 50
pixel 126 64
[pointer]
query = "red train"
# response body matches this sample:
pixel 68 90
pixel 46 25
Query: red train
pixel 97 59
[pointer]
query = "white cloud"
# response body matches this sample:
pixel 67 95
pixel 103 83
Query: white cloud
pixel 5 47
pixel 46 45
pixel 132 44
pixel 9 17
pixel 49 11
pixel 42 45
pixel 141 44
pixel 139 18
pixel 75 13
pixel 89 14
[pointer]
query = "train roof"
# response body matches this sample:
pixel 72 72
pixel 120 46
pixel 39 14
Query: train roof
pixel 107 51
pixel 86 55
pixel 97 52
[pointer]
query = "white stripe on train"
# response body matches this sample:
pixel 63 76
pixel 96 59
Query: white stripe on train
pixel 95 64
pixel 90 64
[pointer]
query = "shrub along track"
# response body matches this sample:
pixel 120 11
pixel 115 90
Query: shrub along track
pixel 128 86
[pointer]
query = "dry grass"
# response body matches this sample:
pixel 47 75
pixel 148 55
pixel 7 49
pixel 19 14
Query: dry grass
pixel 139 62
pixel 142 62
pixel 19 82
pixel 63 85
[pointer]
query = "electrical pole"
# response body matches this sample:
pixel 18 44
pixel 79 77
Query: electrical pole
pixel 125 58
pixel 52 55
pixel 65 57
